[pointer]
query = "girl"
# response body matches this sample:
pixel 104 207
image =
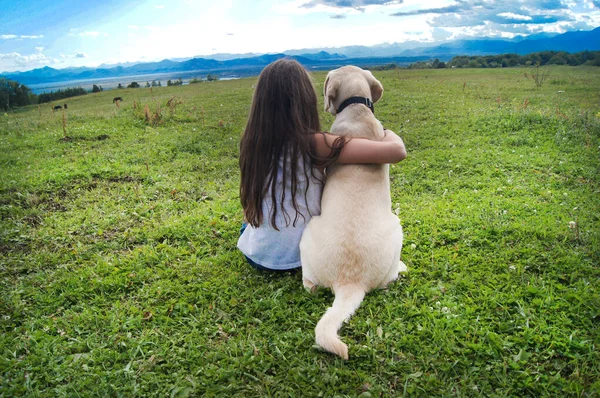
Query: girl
pixel 283 156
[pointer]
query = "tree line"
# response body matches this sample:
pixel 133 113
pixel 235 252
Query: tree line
pixel 513 60
pixel 14 94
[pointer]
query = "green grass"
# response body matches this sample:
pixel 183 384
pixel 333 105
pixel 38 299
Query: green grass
pixel 120 275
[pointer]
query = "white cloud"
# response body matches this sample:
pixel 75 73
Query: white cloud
pixel 335 7
pixel 39 49
pixel 87 33
pixel 350 3
pixel 159 7
pixel 73 56
pixel 512 15
pixel 16 60
pixel 8 37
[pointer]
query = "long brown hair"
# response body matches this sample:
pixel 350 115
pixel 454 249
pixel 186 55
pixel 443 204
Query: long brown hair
pixel 282 119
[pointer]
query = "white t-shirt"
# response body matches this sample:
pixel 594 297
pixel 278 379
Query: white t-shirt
pixel 280 250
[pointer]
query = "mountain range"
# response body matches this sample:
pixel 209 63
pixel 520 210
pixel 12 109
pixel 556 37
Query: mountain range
pixel 238 65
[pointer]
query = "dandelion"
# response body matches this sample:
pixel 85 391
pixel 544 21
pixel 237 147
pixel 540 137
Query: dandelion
pixel 574 226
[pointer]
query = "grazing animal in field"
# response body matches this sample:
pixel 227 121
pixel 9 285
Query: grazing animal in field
pixel 117 99
pixel 354 245
pixel 57 107
pixel 65 106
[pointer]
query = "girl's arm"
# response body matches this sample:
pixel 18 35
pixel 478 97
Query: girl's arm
pixel 360 150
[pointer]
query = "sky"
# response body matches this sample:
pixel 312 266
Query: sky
pixel 72 33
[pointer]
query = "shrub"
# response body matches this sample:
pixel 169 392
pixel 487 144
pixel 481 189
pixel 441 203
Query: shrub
pixel 177 82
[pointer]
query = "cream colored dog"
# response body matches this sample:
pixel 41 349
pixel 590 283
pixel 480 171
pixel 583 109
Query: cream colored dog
pixel 354 245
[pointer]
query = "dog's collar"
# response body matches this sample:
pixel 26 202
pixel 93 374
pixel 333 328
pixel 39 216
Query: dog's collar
pixel 357 100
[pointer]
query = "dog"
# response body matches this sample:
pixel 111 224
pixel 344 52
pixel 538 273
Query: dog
pixel 354 245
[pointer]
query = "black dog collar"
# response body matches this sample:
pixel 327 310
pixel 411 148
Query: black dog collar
pixel 357 100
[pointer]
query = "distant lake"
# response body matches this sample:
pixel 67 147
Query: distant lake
pixel 108 83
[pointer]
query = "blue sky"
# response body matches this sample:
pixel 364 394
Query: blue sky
pixel 65 33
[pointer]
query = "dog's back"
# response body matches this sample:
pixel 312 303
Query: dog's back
pixel 356 200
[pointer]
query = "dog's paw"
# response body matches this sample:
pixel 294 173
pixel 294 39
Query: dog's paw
pixel 402 267
pixel 309 286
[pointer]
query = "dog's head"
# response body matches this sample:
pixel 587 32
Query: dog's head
pixel 349 81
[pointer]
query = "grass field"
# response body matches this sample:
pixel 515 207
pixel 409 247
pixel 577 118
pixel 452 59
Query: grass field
pixel 120 276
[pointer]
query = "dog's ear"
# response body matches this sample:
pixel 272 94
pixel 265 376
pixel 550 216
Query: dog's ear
pixel 330 90
pixel 375 85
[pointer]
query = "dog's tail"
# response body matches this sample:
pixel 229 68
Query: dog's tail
pixel 347 300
